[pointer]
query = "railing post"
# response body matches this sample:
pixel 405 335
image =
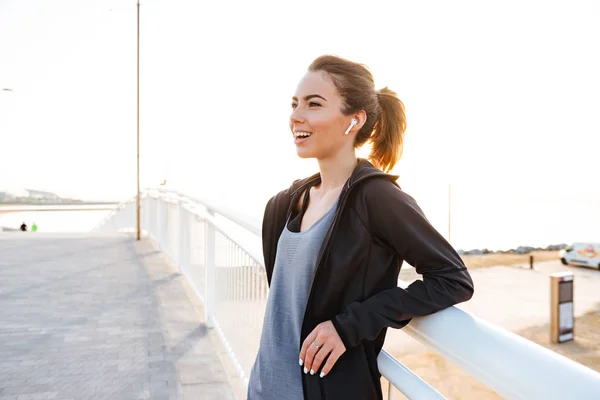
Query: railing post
pixel 159 222
pixel 168 231
pixel 183 238
pixel 187 249
pixel 148 204
pixel 154 218
pixel 209 306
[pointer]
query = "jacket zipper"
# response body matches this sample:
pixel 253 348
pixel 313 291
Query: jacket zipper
pixel 332 227
pixel 324 246
pixel 320 256
pixel 323 249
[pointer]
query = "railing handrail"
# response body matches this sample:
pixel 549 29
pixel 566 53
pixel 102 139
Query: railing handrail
pixel 512 366
pixel 239 219
pixel 227 231
pixel 223 228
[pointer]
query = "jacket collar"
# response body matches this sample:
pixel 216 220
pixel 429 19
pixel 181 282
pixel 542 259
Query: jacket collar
pixel 363 170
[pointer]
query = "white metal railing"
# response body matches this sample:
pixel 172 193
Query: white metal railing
pixel 220 254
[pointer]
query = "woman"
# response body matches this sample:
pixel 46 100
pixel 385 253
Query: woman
pixel 334 244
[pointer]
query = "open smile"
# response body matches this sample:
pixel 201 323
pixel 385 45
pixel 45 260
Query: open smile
pixel 301 136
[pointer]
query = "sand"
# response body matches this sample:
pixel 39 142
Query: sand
pixel 492 260
pixel 453 383
pixel 526 306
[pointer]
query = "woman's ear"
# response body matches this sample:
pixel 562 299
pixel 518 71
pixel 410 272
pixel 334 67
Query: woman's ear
pixel 361 119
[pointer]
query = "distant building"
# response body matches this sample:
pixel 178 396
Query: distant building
pixel 19 195
pixel 6 196
pixel 13 193
pixel 38 194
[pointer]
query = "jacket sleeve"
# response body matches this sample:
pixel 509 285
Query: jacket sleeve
pixel 394 218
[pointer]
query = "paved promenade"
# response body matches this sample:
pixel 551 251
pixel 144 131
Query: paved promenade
pixel 99 317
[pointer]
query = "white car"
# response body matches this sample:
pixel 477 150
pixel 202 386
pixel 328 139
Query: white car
pixel 586 254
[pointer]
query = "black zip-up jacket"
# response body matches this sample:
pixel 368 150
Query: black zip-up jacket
pixel 375 228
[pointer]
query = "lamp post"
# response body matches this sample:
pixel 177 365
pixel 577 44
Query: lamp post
pixel 138 124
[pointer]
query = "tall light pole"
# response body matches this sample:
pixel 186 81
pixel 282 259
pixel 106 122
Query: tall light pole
pixel 138 124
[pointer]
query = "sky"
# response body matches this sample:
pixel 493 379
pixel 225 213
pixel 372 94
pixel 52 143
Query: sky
pixel 498 95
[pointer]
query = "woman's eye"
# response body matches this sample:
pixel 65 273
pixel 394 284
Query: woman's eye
pixel 311 104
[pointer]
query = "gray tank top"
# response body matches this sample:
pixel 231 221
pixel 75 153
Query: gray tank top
pixel 276 374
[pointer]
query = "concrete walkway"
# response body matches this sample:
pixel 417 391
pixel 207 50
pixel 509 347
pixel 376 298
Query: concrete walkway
pixel 99 317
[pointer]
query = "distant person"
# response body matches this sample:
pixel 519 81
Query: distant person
pixel 24 227
pixel 34 227
pixel 333 245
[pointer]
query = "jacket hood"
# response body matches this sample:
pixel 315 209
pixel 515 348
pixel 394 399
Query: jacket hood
pixel 363 170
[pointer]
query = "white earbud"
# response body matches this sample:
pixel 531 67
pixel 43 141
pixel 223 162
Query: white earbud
pixel 352 123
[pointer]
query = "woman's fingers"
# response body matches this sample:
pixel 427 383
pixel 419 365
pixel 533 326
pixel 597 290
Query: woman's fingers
pixel 306 346
pixel 333 357
pixel 323 343
pixel 311 352
pixel 319 357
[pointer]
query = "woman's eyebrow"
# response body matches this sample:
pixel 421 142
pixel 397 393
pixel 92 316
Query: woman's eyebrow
pixel 310 96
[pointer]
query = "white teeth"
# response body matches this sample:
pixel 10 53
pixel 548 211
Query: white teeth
pixel 302 134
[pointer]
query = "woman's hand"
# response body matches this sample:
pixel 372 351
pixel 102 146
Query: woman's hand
pixel 323 341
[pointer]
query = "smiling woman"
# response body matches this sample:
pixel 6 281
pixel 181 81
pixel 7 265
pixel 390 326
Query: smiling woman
pixel 330 101
pixel 334 243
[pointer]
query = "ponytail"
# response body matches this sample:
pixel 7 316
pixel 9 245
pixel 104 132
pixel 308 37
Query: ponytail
pixel 388 134
pixel 386 121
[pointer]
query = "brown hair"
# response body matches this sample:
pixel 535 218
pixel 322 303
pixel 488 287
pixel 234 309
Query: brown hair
pixel 386 119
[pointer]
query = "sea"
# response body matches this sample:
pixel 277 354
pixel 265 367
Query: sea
pixel 54 221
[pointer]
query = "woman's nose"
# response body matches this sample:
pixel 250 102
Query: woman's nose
pixel 296 116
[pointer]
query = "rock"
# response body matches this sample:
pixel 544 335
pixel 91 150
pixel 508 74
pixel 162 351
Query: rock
pixel 524 249
pixel 518 250
pixel 554 247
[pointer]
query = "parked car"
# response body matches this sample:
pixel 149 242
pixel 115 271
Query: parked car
pixel 586 254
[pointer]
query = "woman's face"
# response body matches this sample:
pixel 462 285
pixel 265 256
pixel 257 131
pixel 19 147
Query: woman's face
pixel 317 122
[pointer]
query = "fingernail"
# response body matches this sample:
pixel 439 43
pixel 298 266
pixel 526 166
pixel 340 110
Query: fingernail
pixel 305 370
pixel 312 372
pixel 322 375
pixel 301 362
